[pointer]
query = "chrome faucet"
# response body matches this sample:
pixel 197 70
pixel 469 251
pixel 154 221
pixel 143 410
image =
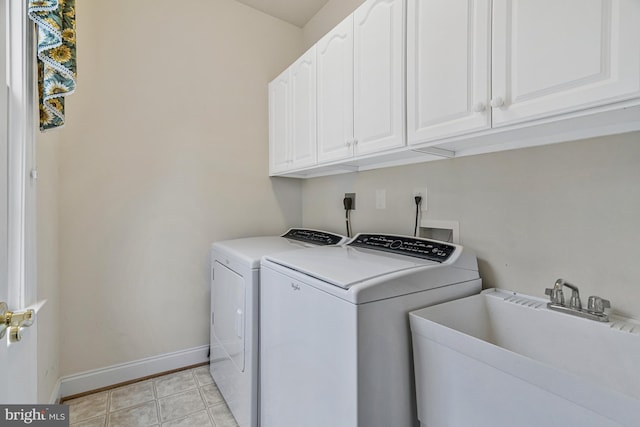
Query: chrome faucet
pixel 595 306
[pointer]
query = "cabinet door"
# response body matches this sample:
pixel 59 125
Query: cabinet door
pixel 448 76
pixel 303 110
pixel 551 56
pixel 335 93
pixel 279 119
pixel 379 104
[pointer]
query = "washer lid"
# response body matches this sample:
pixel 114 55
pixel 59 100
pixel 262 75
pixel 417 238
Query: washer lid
pixel 345 266
pixel 250 250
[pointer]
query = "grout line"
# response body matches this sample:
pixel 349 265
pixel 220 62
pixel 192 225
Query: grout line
pixel 213 422
pixel 158 414
pixel 107 417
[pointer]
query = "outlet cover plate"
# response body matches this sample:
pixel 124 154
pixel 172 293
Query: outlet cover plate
pixel 353 197
pixel 422 192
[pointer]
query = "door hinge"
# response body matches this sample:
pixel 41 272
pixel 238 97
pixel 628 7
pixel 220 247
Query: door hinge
pixel 34 174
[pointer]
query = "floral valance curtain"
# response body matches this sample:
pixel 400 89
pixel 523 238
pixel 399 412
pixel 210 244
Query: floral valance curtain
pixel 56 24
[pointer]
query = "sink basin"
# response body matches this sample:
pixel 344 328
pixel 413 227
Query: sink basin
pixel 503 359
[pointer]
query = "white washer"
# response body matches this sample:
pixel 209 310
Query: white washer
pixel 235 281
pixel 335 344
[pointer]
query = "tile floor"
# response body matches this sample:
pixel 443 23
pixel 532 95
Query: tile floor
pixel 187 398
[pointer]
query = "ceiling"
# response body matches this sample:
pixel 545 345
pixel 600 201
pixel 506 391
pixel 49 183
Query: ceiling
pixel 296 12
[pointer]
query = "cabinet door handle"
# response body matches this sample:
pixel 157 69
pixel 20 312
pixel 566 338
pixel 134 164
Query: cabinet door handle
pixel 348 143
pixel 479 107
pixel 497 102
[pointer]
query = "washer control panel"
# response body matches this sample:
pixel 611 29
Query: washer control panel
pixel 403 245
pixel 321 238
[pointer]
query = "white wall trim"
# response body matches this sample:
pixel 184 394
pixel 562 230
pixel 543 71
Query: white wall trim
pixel 115 374
pixel 54 398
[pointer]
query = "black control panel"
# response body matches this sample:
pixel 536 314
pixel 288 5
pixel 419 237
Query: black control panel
pixel 409 246
pixel 320 238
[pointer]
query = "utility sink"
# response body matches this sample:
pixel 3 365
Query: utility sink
pixel 504 359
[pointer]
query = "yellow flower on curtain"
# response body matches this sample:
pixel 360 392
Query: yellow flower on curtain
pixel 56 23
pixel 69 35
pixel 60 54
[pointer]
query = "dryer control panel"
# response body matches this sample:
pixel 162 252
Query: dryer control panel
pixel 316 237
pixel 402 245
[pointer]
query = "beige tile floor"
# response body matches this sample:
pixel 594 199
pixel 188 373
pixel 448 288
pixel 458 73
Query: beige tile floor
pixel 187 398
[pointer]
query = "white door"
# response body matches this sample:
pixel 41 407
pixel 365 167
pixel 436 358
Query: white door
pixel 279 119
pixel 303 110
pixel 448 75
pixel 335 93
pixel 17 284
pixel 4 287
pixel 379 102
pixel 228 307
pixel 554 56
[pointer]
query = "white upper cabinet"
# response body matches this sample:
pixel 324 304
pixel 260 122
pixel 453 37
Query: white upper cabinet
pixel 292 116
pixel 361 83
pixel 481 76
pixel 279 123
pixel 551 57
pixel 448 74
pixel 473 65
pixel 303 110
pixel 379 75
pixel 335 92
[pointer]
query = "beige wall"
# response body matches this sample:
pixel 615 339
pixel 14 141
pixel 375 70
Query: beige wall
pixel 327 18
pixel 532 215
pixel 47 264
pixel 165 151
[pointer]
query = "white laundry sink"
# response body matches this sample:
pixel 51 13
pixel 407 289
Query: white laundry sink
pixel 503 359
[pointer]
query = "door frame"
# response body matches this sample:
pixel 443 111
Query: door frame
pixel 21 198
pixel 21 156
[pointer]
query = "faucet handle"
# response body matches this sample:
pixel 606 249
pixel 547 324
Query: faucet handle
pixel 575 302
pixel 597 304
pixel 556 295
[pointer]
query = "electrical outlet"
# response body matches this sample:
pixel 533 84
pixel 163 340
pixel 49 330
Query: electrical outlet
pixel 422 192
pixel 351 196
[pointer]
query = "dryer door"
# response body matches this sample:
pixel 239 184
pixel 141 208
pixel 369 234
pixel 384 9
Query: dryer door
pixel 228 306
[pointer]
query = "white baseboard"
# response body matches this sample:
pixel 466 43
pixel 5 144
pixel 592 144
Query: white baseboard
pixel 104 377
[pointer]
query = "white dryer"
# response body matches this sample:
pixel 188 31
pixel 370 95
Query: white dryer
pixel 335 343
pixel 235 280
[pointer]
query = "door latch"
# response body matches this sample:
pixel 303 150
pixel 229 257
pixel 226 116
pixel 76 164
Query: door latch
pixel 15 321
